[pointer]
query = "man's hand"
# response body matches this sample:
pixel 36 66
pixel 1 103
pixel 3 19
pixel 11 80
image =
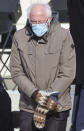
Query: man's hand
pixel 51 102
pixel 48 100
pixel 41 99
pixel 40 116
pixel 41 111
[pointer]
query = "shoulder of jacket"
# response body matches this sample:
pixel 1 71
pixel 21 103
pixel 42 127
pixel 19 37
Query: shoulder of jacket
pixel 64 33
pixel 57 27
pixel 20 33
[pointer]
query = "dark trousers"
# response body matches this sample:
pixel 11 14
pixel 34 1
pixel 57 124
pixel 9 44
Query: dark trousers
pixel 78 109
pixel 54 121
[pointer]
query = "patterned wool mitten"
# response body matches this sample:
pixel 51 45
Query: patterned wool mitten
pixel 52 104
pixel 41 99
pixel 40 116
pixel 46 101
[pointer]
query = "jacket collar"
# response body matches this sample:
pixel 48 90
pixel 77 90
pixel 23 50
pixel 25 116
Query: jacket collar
pixel 44 39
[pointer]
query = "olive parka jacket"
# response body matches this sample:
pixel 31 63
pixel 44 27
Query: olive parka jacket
pixel 47 63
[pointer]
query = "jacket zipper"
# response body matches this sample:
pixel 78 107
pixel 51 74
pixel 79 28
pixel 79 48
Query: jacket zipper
pixel 35 65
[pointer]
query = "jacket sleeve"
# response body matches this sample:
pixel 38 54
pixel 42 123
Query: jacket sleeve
pixel 17 73
pixel 67 66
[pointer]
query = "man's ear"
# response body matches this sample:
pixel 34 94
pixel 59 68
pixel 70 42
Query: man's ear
pixel 49 20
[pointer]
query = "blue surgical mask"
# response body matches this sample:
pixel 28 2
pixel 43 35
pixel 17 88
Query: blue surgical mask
pixel 39 29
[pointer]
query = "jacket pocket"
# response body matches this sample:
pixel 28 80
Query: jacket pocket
pixel 52 57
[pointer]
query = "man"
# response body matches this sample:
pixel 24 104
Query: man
pixel 76 14
pixel 43 61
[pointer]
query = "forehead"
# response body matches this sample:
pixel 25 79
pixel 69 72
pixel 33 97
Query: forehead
pixel 38 12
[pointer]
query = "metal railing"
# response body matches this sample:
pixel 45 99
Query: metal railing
pixel 3 63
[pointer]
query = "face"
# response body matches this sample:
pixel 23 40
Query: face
pixel 38 15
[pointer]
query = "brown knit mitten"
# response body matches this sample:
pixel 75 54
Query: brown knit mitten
pixel 49 100
pixel 40 116
pixel 53 105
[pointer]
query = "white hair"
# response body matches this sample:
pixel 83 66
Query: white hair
pixel 47 7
